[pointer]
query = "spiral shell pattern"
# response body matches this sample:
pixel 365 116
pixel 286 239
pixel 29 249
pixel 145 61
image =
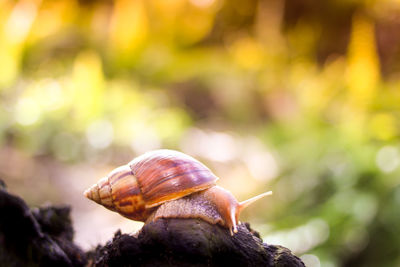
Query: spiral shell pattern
pixel 133 190
pixel 165 175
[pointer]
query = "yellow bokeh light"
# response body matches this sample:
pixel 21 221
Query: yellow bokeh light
pixel 87 87
pixel 363 69
pixel 248 53
pixel 129 27
pixel 383 126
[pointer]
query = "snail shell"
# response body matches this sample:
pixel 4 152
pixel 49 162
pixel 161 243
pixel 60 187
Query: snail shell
pixel 150 180
pixel 168 184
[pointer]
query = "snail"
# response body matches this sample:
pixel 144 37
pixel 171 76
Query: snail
pixel 168 184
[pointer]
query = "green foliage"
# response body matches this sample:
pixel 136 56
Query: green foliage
pixel 307 87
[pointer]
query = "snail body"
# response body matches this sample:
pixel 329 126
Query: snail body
pixel 168 184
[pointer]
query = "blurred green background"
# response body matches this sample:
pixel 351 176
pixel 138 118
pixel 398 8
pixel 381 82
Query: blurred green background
pixel 300 97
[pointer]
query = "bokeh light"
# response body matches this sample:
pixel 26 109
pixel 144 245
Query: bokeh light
pixel 298 97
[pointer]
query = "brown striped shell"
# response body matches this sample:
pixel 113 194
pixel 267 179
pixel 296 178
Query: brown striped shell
pixel 133 190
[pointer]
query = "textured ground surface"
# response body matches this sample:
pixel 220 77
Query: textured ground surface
pixel 44 237
pixel 191 242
